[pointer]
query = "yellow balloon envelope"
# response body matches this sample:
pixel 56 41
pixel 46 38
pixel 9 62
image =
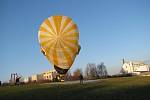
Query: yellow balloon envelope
pixel 58 37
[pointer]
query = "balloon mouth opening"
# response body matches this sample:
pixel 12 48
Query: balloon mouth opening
pixel 60 70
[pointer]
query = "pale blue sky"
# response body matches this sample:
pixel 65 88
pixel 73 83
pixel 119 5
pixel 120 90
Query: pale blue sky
pixel 110 30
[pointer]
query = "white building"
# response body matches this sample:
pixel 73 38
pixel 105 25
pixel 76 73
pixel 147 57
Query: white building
pixel 134 67
pixel 45 76
pixel 24 79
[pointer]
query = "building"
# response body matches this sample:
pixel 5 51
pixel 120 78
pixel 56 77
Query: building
pixel 134 67
pixel 36 78
pixel 25 79
pixel 49 75
pixel 44 76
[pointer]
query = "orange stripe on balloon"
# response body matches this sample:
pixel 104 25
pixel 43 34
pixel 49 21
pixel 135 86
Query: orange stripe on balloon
pixel 67 56
pixel 68 20
pixel 73 27
pixel 57 21
pixel 47 22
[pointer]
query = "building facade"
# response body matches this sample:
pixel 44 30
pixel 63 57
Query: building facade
pixel 135 68
pixel 44 76
pixel 49 75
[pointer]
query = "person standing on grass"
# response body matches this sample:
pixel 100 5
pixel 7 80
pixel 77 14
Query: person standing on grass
pixel 81 79
pixel 17 80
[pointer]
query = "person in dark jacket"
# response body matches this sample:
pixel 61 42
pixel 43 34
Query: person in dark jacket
pixel 81 79
pixel 17 80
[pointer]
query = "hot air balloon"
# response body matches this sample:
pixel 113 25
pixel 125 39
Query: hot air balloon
pixel 59 40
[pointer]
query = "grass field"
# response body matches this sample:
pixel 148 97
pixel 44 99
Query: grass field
pixel 128 88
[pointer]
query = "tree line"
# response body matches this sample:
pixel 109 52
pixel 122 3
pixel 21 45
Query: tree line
pixel 91 71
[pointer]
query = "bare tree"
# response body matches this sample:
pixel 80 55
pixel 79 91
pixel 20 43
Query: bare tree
pixel 90 71
pixel 87 72
pixel 93 72
pixel 101 70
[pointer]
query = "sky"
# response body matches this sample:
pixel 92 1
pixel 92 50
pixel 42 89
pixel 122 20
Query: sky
pixel 110 30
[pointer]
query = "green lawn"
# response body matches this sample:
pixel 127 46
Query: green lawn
pixel 129 88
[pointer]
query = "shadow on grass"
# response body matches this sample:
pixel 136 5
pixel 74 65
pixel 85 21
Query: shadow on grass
pixel 92 91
